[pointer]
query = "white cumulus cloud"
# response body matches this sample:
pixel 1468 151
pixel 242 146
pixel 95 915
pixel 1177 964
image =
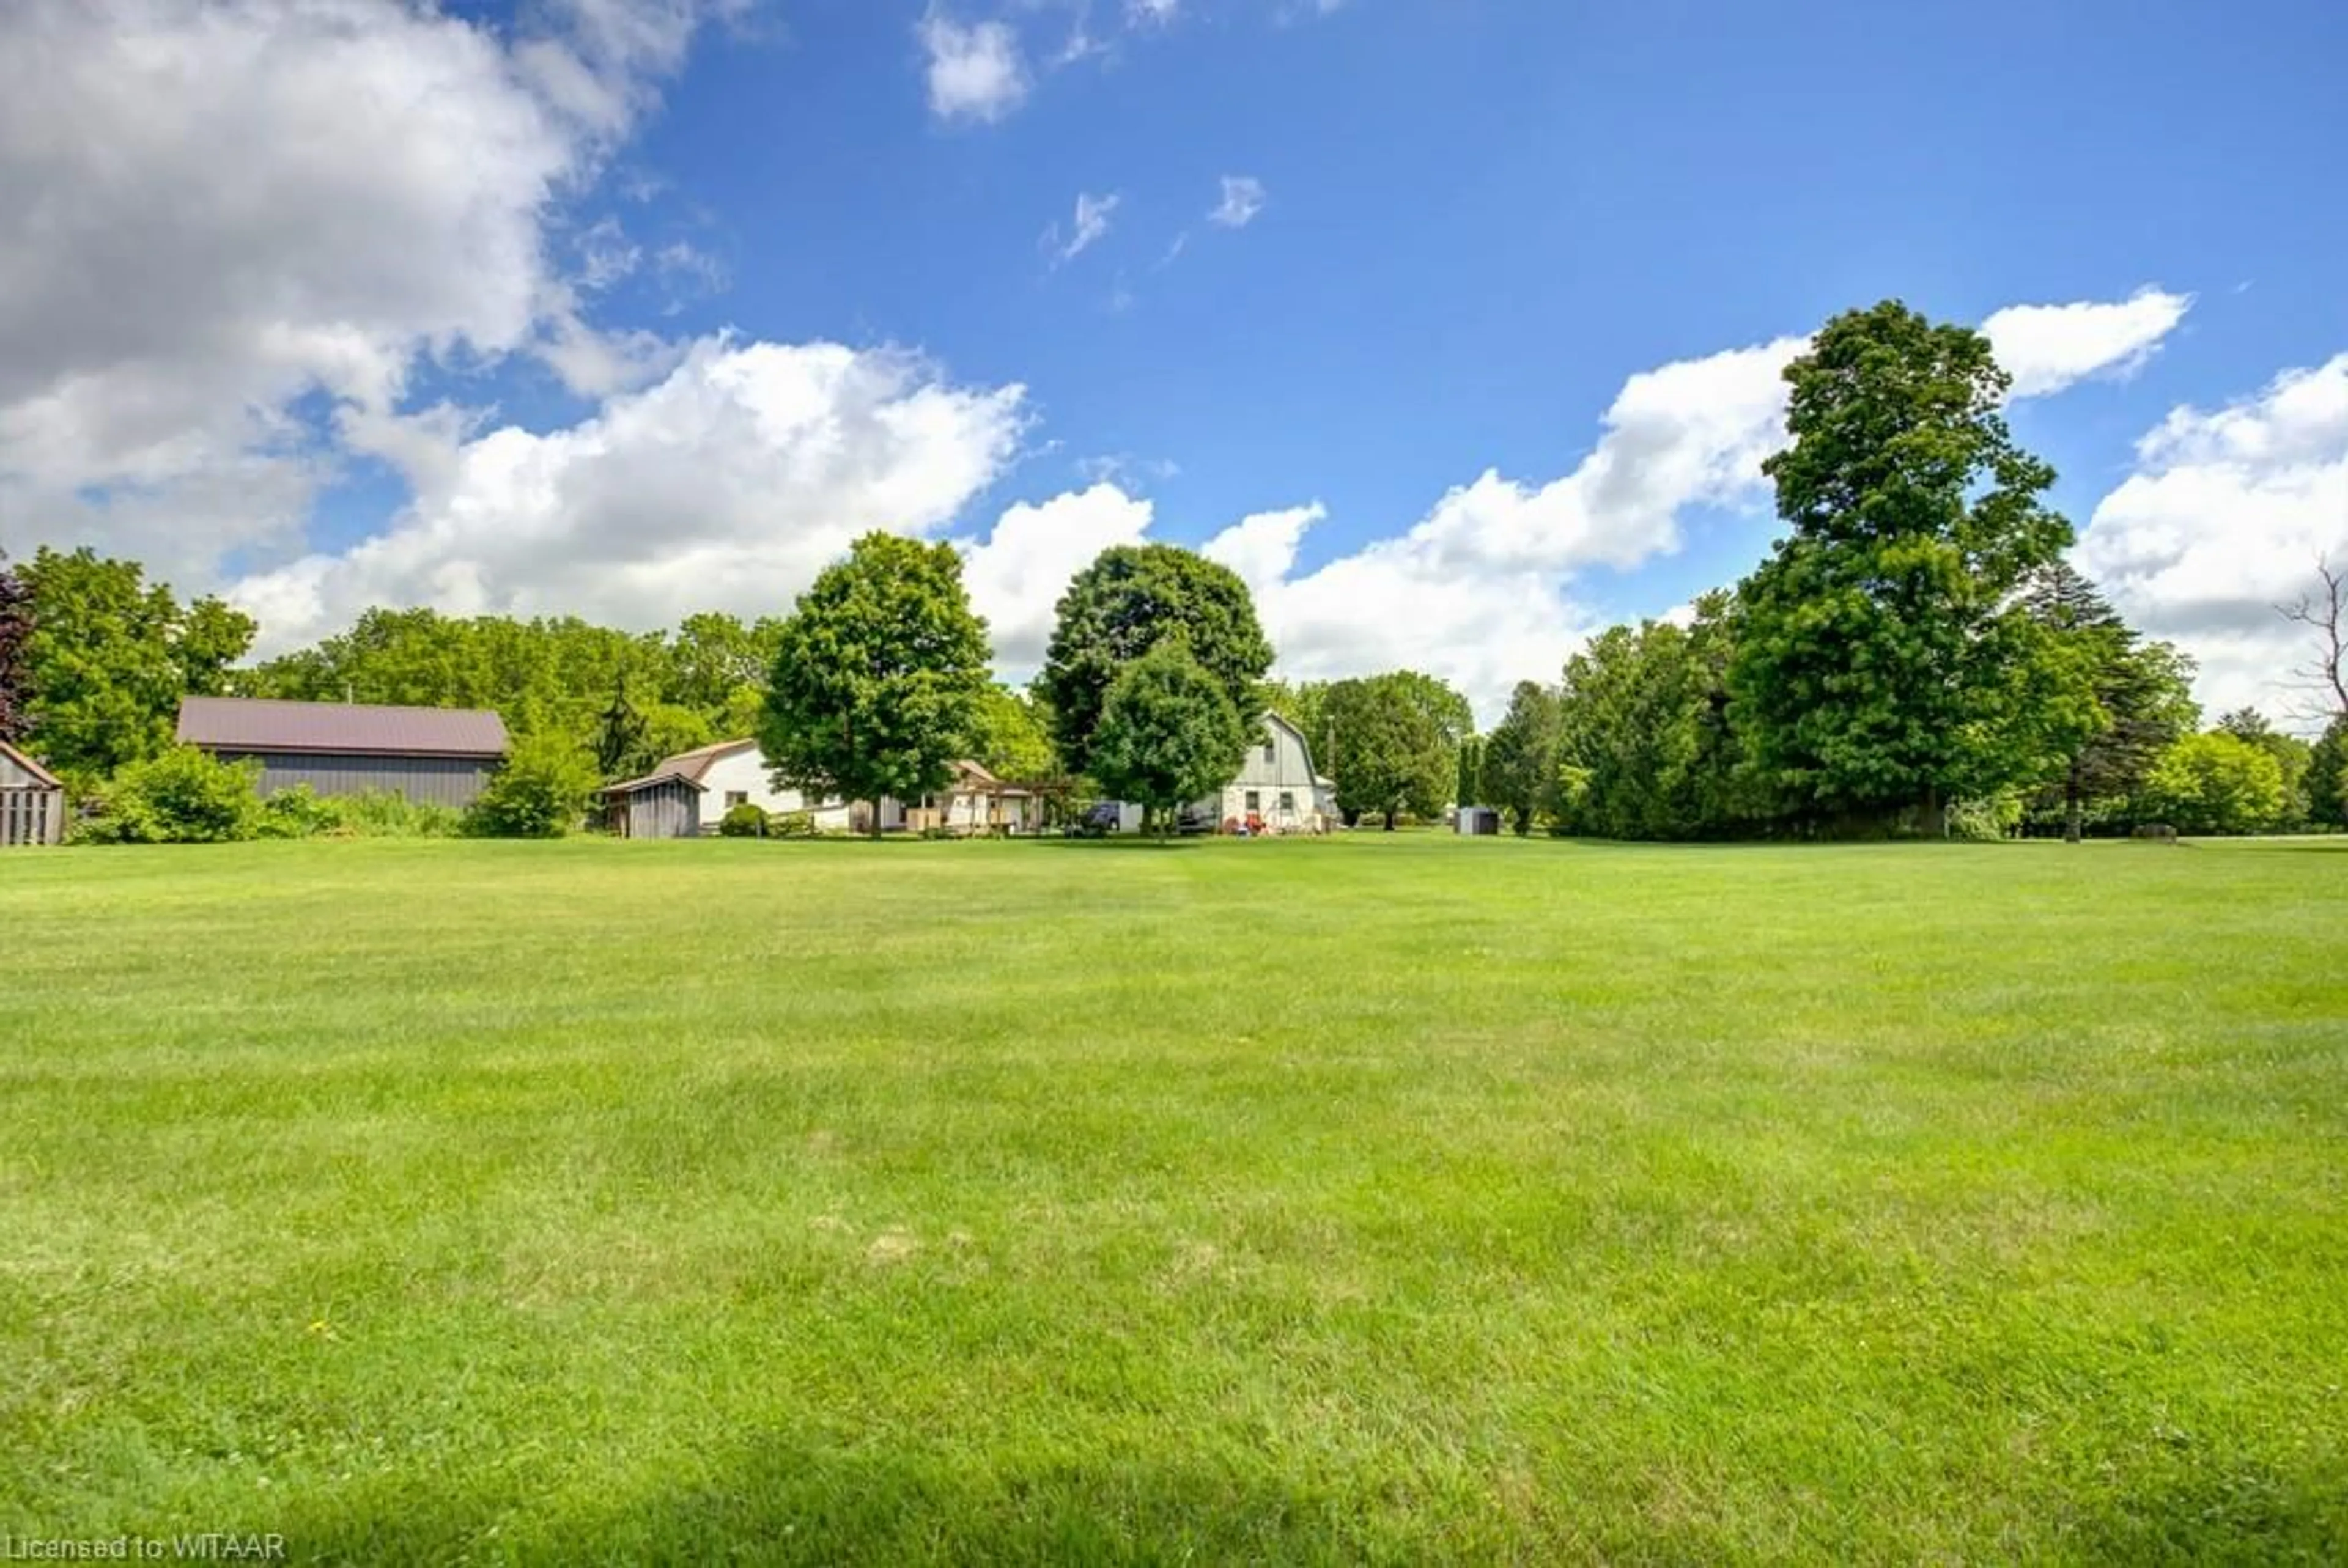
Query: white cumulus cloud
pixel 1017 574
pixel 727 483
pixel 212 208
pixel 2047 348
pixel 976 71
pixel 2224 516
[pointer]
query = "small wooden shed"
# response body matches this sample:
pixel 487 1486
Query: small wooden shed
pixel 658 805
pixel 32 800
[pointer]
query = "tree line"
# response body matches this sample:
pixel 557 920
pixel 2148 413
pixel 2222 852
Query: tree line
pixel 1914 655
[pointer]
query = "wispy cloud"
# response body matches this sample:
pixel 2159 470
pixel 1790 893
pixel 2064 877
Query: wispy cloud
pixel 1093 216
pixel 1243 199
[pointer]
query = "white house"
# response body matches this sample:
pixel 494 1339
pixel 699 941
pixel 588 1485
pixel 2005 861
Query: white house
pixel 734 771
pixel 973 801
pixel 1277 787
pixel 1276 790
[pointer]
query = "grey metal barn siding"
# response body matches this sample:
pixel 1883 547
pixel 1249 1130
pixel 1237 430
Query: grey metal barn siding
pixel 669 809
pixel 437 756
pixel 436 781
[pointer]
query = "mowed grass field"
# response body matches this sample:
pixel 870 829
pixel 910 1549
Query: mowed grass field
pixel 1383 1199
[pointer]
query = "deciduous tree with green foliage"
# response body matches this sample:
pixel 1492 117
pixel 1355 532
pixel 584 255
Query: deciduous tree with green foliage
pixel 110 655
pixel 1393 754
pixel 1168 734
pixel 2138 694
pixel 881 677
pixel 1012 741
pixel 542 791
pixel 1519 765
pixel 1642 727
pixel 2214 784
pixel 1129 600
pixel 2292 756
pixel 1881 665
pixel 719 666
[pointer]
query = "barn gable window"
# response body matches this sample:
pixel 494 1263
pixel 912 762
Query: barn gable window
pixel 735 797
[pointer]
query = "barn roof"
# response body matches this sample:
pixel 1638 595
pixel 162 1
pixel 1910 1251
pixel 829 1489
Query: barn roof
pixel 40 775
pixel 665 775
pixel 252 724
pixel 691 764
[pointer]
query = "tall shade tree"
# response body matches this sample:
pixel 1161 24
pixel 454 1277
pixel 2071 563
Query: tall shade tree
pixel 1881 664
pixel 1392 754
pixel 1520 755
pixel 110 655
pixel 879 678
pixel 1129 600
pixel 1168 734
pixel 15 635
pixel 2140 694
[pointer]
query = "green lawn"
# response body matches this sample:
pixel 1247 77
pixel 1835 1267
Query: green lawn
pixel 1383 1199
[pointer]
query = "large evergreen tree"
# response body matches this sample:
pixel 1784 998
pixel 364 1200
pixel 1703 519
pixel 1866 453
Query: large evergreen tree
pixel 1128 601
pixel 879 677
pixel 1519 761
pixel 1881 664
pixel 2138 694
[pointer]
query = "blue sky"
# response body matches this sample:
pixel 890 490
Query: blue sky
pixel 555 323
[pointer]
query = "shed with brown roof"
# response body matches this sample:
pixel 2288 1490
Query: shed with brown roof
pixel 443 756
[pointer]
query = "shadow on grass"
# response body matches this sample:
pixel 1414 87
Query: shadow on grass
pixel 787 1501
pixel 2223 1511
